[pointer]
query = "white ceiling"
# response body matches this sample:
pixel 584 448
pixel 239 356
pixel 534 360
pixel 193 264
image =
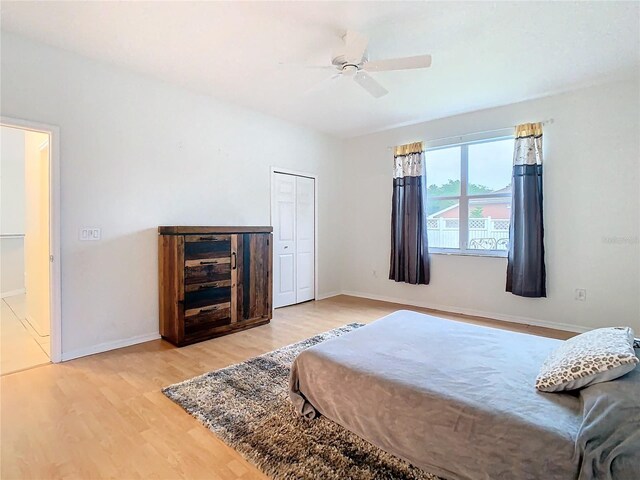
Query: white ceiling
pixel 484 54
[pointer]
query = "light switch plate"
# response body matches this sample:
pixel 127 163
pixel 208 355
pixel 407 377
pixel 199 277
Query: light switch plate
pixel 90 234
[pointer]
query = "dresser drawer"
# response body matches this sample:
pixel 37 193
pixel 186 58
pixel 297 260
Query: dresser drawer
pixel 204 285
pixel 205 298
pixel 210 319
pixel 197 247
pixel 207 259
pixel 206 238
pixel 214 314
pixel 207 307
pixel 203 272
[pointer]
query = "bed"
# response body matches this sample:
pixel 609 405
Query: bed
pixel 458 400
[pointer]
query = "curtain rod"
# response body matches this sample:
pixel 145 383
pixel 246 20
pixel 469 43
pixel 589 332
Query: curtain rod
pixel 548 121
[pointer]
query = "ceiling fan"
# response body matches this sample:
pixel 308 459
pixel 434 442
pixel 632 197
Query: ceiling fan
pixel 353 61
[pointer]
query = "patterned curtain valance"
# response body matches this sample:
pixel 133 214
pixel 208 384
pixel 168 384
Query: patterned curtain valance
pixel 528 146
pixel 529 130
pixel 416 147
pixel 408 160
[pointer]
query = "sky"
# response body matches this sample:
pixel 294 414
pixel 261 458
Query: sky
pixel 489 164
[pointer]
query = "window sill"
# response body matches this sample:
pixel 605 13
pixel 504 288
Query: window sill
pixel 469 253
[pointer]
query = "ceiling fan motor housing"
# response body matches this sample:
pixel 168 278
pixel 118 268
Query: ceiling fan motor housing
pixel 346 67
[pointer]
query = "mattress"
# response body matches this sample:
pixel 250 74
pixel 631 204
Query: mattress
pixel 455 399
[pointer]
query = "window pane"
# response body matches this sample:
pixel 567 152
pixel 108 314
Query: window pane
pixel 490 167
pixel 442 177
pixel 443 229
pixel 489 223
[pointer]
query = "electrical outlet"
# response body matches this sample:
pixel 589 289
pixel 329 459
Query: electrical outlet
pixel 581 294
pixel 90 234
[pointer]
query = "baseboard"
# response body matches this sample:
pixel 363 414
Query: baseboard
pixel 11 293
pixel 106 346
pixel 474 313
pixel 328 295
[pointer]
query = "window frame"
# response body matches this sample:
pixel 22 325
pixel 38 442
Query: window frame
pixel 464 197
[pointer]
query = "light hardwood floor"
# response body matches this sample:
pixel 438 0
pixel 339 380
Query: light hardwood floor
pixel 21 347
pixel 104 416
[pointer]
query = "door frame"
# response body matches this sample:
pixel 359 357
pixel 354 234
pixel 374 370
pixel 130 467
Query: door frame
pixel 296 173
pixel 55 308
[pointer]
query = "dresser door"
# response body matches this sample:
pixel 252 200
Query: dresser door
pixel 254 259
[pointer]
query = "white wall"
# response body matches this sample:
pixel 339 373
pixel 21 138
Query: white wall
pixel 36 238
pixel 592 214
pixel 12 214
pixel 137 153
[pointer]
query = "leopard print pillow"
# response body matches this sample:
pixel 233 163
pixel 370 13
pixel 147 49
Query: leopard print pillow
pixel 592 357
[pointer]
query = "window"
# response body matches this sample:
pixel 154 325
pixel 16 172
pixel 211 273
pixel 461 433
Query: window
pixel 469 197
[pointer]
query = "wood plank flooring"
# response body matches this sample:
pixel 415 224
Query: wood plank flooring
pixel 21 346
pixel 104 416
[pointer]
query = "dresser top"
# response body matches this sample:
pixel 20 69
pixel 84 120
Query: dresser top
pixel 173 230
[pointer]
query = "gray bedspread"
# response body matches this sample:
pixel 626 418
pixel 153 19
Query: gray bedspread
pixel 609 439
pixel 458 400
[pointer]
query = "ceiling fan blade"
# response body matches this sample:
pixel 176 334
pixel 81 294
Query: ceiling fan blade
pixel 406 63
pixel 307 67
pixel 367 82
pixel 324 84
pixel 355 44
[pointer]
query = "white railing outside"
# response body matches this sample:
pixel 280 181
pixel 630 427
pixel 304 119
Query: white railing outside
pixel 484 233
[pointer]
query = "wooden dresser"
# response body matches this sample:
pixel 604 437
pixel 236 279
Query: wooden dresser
pixel 213 281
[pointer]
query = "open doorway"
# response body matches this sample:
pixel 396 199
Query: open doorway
pixel 29 329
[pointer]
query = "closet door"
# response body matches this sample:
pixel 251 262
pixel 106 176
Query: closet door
pixel 293 218
pixel 305 239
pixel 284 232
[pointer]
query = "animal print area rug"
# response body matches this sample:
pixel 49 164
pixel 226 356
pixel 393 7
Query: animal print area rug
pixel 247 406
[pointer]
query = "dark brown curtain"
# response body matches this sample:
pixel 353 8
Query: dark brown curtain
pixel 409 250
pixel 526 274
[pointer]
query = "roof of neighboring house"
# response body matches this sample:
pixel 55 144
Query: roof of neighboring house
pixel 479 201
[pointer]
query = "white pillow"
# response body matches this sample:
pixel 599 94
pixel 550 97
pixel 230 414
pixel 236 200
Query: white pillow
pixel 592 357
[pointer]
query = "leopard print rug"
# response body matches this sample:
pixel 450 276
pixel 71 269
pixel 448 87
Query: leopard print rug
pixel 247 406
